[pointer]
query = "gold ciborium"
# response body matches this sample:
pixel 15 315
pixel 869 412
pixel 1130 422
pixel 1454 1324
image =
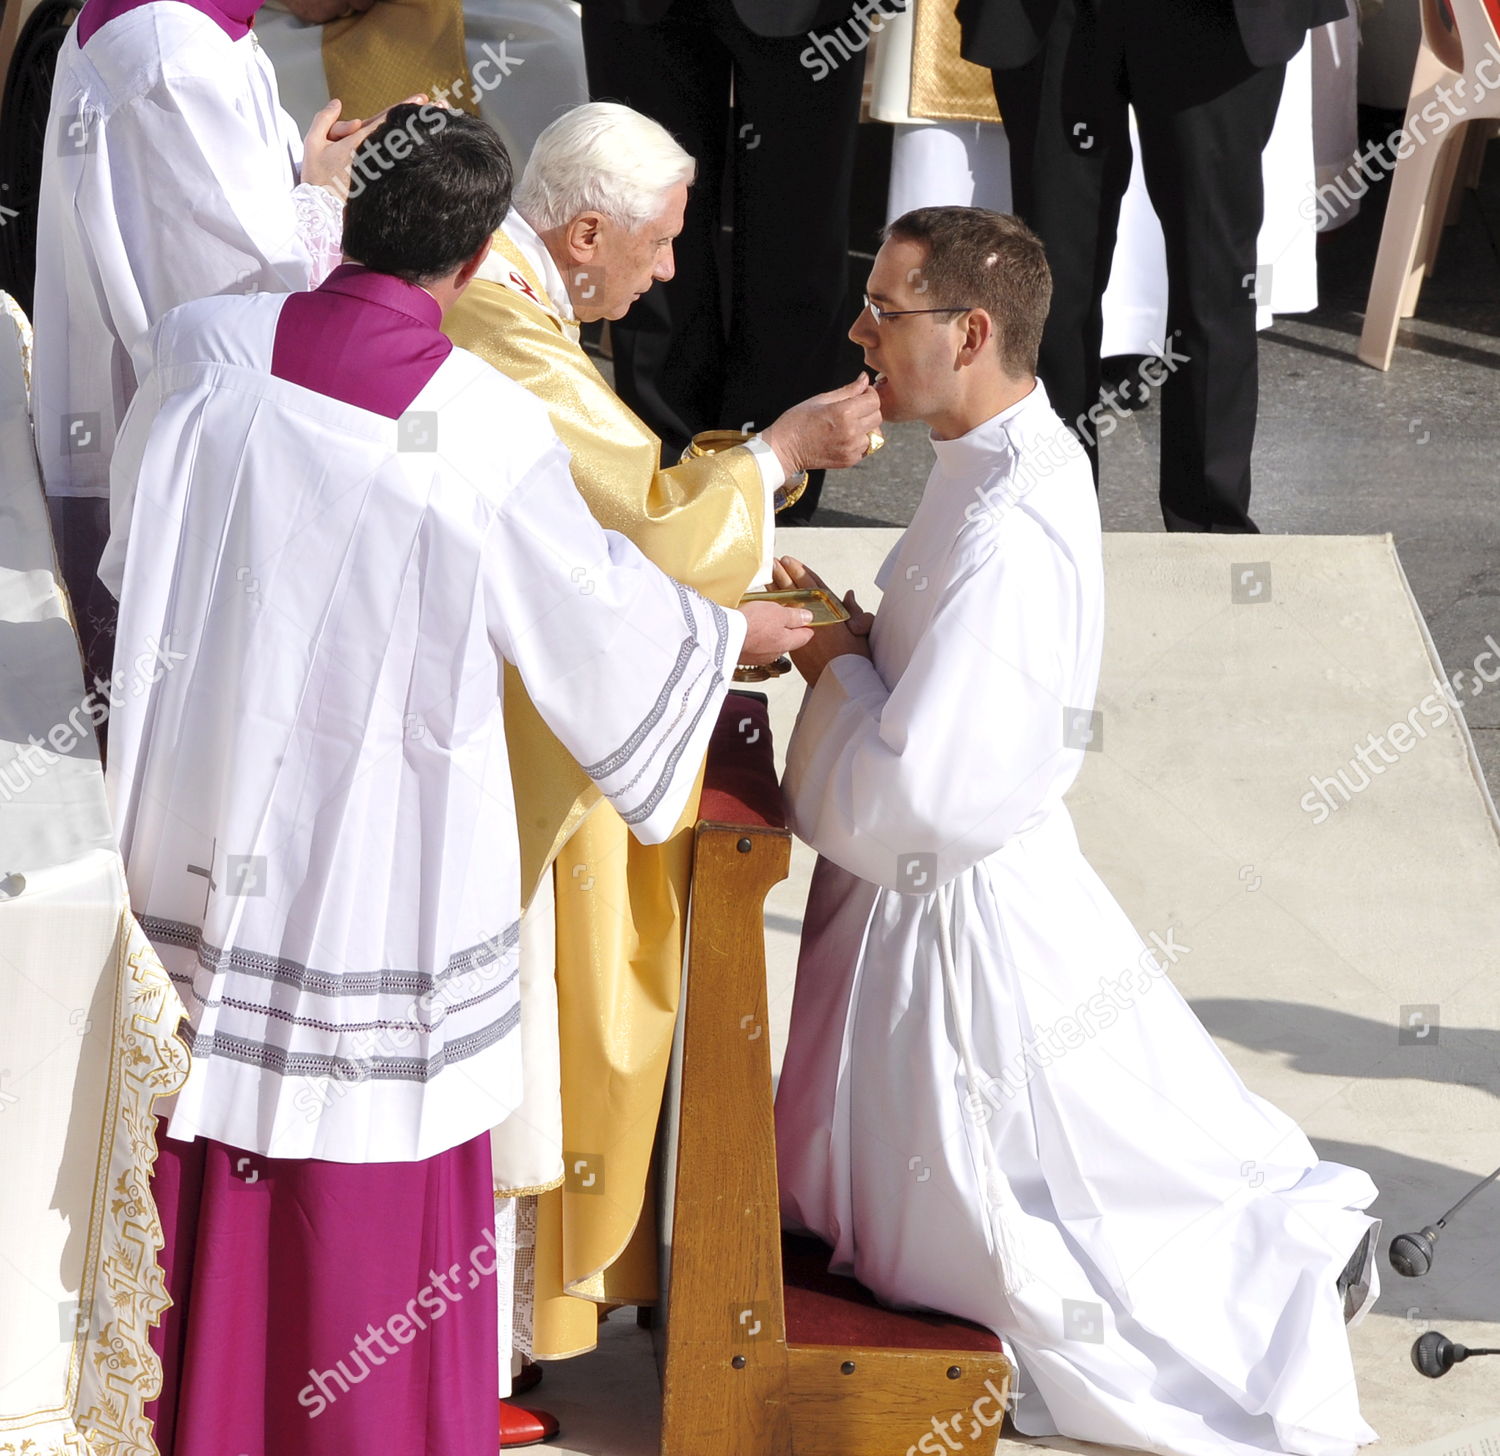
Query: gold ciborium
pixel 711 442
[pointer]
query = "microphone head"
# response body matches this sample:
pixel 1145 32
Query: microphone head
pixel 1411 1254
pixel 1434 1354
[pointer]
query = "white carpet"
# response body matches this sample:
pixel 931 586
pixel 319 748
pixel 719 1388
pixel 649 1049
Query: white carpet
pixel 1309 932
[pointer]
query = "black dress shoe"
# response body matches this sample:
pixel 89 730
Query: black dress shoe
pixel 1358 1283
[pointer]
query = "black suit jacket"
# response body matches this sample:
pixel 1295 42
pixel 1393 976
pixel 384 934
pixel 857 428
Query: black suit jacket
pixel 1002 34
pixel 763 17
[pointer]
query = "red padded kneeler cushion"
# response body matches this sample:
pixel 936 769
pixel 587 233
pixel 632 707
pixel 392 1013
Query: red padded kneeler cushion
pixel 739 783
pixel 829 1309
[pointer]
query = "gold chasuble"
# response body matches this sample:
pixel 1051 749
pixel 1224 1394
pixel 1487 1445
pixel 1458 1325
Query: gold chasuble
pixel 619 904
pixel 396 49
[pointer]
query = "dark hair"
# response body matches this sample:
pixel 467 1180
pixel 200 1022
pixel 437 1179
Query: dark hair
pixel 425 190
pixel 987 260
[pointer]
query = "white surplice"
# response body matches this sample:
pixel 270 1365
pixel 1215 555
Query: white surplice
pixel 309 772
pixel 994 1101
pixel 170 173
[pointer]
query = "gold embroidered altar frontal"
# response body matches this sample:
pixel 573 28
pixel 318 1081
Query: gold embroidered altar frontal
pixel 88 1042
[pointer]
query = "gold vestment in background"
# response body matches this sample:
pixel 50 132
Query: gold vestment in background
pixel 396 49
pixel 944 86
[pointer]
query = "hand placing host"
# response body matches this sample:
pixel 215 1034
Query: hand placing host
pixel 827 432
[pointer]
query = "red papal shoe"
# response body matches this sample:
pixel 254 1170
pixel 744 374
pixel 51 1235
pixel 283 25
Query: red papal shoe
pixel 529 1378
pixel 521 1427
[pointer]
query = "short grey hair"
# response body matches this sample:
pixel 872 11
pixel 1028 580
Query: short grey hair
pixel 601 157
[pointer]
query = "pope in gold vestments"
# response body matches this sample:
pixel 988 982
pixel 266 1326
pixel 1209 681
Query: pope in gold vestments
pixel 619 905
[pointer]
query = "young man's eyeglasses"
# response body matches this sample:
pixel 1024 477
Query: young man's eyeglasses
pixel 881 314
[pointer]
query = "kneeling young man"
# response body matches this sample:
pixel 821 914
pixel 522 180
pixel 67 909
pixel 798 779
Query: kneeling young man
pixel 969 994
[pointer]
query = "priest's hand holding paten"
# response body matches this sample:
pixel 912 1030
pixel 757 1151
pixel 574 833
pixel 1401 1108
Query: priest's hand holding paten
pixel 773 630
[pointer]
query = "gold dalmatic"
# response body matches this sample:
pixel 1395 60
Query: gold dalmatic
pixel 619 904
pixel 396 49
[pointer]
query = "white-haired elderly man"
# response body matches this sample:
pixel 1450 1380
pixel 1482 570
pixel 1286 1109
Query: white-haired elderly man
pixel 590 230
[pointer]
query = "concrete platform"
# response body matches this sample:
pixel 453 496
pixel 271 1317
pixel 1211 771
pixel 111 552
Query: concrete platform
pixel 1312 936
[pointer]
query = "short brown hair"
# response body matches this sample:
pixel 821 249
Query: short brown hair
pixel 987 260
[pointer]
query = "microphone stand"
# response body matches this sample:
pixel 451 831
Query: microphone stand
pixel 1411 1255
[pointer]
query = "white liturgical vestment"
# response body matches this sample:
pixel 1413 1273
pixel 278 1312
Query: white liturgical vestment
pixel 313 795
pixel 994 1101
pixel 170 174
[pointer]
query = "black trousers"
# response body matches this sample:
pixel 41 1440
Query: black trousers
pixel 745 331
pixel 1204 114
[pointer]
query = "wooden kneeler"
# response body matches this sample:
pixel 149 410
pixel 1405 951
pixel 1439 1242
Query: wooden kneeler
pixel 763 1352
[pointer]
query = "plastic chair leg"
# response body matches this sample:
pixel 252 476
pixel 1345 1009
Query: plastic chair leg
pixel 1441 198
pixel 1397 261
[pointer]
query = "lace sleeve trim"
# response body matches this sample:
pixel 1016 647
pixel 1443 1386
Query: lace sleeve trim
pixel 320 225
